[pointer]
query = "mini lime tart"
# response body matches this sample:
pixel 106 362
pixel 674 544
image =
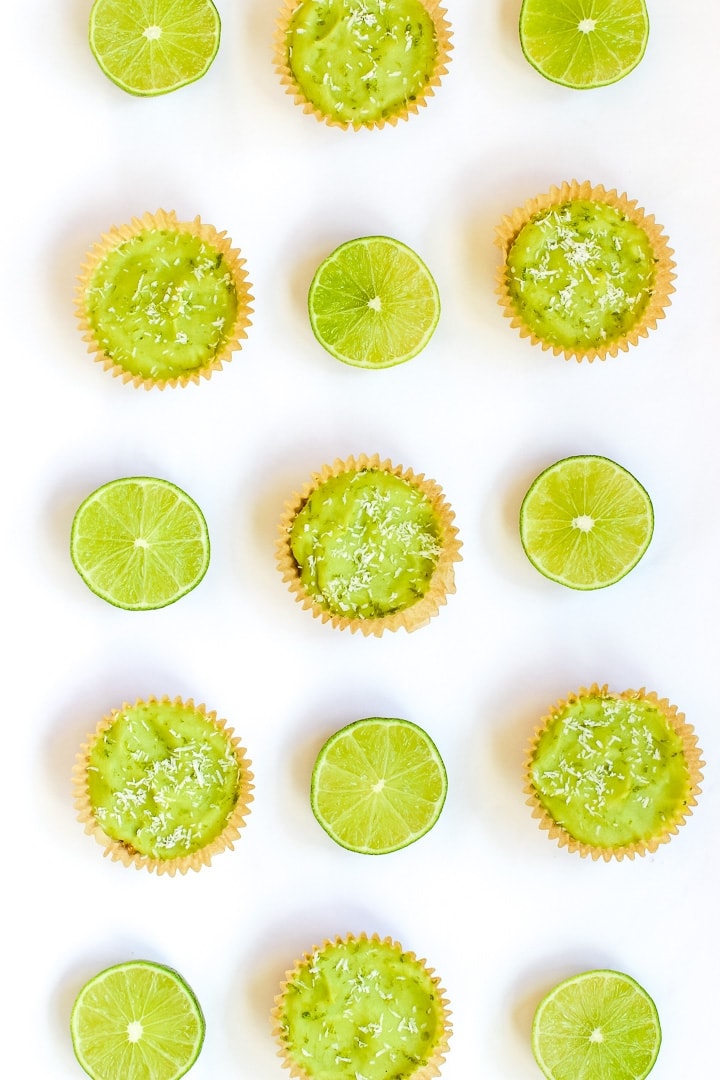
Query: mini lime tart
pixel 585 271
pixel 361 63
pixel 369 546
pixel 163 785
pixel 613 775
pixel 162 302
pixel 361 1008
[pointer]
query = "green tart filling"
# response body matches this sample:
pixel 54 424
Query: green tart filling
pixel 580 275
pixel 162 304
pixel 366 544
pixel 611 771
pixel 361 1010
pixel 359 61
pixel 163 779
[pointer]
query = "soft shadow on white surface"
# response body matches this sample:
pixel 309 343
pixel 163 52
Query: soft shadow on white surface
pixel 499 911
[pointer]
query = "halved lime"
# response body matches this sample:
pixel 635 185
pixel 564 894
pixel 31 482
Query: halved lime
pixel 151 47
pixel 584 44
pixel 140 543
pixel 373 303
pixel 378 785
pixel 585 522
pixel 600 1025
pixel 137 1021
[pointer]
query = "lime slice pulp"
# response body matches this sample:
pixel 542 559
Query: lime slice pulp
pixel 150 47
pixel 594 1026
pixel 140 543
pixel 373 303
pixel 378 785
pixel 584 44
pixel 585 522
pixel 137 1020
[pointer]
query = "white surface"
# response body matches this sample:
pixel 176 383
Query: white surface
pixel 496 908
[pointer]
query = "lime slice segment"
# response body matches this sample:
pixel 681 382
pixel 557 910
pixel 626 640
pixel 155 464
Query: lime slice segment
pixel 584 44
pixel 373 303
pixel 585 522
pixel 596 1026
pixel 378 785
pixel 140 543
pixel 150 47
pixel 137 1020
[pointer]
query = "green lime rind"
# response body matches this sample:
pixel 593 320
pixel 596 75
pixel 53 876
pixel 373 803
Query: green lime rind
pixel 611 46
pixel 595 1026
pixel 152 47
pixel 140 543
pixel 372 796
pixel 373 303
pixel 585 522
pixel 137 1020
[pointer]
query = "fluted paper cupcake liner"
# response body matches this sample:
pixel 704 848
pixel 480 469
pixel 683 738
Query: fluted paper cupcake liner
pixel 442 582
pixel 121 851
pixel 438 1053
pixel 443 33
pixel 510 226
pixel 149 222
pixel 692 756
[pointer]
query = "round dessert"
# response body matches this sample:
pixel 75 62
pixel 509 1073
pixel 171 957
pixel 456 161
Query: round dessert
pixel 361 63
pixel 361 1007
pixel 162 302
pixel 585 272
pixel 369 546
pixel 163 785
pixel 613 775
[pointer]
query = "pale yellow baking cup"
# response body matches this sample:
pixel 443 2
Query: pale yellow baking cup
pixel 443 33
pixel 510 226
pixel 442 582
pixel 439 1052
pixel 124 853
pixel 166 220
pixel 691 752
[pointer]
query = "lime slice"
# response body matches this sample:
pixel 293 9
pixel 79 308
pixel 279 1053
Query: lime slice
pixel 140 543
pixel 373 303
pixel 585 522
pixel 600 1025
pixel 151 47
pixel 378 785
pixel 138 1021
pixel 584 44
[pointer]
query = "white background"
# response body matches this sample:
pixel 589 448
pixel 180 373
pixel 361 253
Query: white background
pixel 498 910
